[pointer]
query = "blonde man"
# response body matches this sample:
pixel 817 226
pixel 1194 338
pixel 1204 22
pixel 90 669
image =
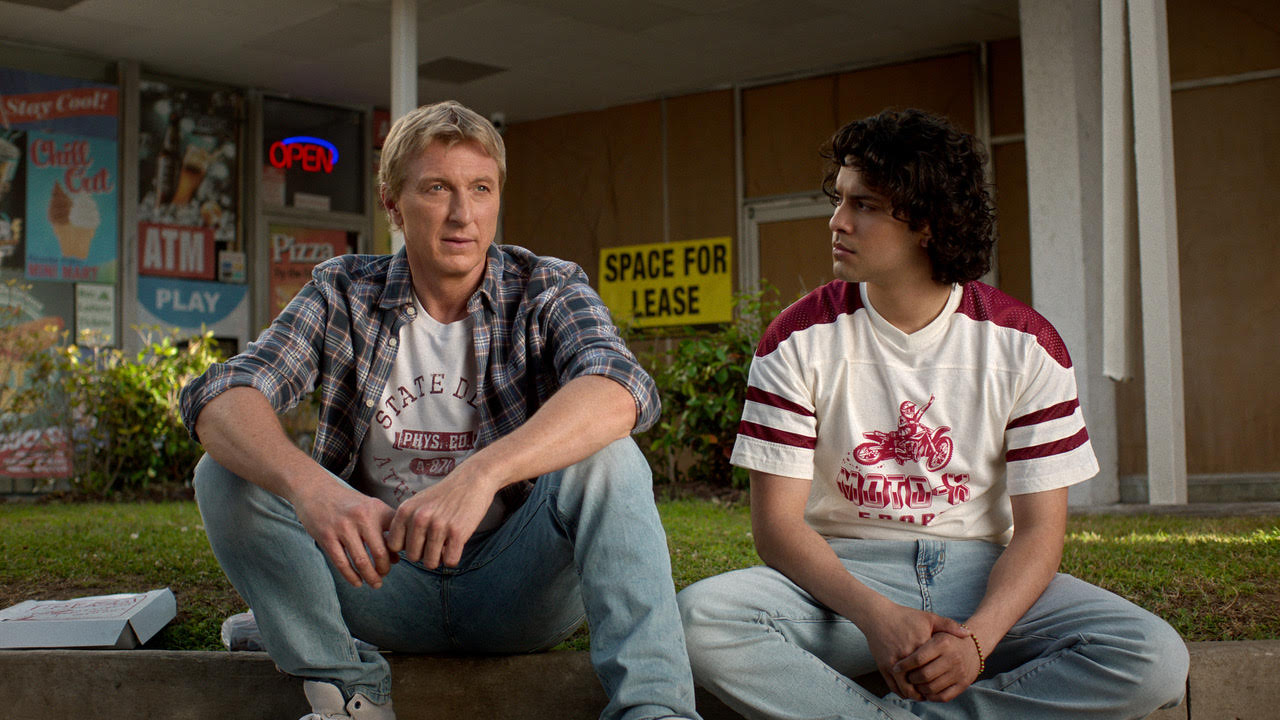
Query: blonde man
pixel 472 487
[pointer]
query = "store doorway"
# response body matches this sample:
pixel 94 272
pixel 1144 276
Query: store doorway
pixel 788 244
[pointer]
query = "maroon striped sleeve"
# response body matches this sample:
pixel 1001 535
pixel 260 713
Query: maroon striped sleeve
pixel 764 397
pixel 1053 412
pixel 773 435
pixel 821 306
pixel 1057 447
pixel 984 303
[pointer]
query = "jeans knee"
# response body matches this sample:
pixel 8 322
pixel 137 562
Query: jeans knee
pixel 1167 662
pixel 707 610
pixel 693 616
pixel 615 471
pixel 213 488
pixel 1147 661
pixel 229 504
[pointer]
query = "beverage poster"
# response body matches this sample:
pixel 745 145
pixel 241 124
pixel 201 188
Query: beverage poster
pixel 189 166
pixel 293 252
pixel 71 208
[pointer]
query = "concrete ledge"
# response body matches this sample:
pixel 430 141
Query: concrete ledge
pixel 1233 681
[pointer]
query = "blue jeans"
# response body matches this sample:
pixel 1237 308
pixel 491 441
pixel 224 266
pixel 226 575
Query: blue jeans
pixel 587 541
pixel 769 650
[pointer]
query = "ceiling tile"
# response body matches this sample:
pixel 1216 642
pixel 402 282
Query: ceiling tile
pixel 347 25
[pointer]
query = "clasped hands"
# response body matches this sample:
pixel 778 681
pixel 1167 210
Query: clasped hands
pixel 363 536
pixel 923 656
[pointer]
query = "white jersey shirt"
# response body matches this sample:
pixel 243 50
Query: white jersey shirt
pixel 426 421
pixel 911 435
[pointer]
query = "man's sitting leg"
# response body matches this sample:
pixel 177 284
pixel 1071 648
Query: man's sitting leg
pixel 278 569
pixel 1079 649
pixel 327 703
pixel 589 535
pixel 605 505
pixel 767 649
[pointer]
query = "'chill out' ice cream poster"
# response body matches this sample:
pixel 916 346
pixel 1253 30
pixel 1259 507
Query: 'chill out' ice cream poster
pixel 71 208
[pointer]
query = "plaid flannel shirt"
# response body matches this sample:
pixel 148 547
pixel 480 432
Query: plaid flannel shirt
pixel 538 325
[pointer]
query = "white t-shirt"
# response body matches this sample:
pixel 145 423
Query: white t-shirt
pixel 921 434
pixel 427 418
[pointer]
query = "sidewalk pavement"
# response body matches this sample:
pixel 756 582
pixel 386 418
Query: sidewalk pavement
pixel 1229 681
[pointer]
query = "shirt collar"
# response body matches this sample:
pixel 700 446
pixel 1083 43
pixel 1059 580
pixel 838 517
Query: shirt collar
pixel 399 287
pixel 493 273
pixel 398 290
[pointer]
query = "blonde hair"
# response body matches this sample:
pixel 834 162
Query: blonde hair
pixel 450 122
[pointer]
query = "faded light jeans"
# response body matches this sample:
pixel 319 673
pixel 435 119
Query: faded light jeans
pixel 587 541
pixel 769 650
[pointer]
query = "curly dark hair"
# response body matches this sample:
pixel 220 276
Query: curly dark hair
pixel 933 176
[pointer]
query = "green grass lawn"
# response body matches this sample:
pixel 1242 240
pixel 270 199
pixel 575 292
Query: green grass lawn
pixel 1211 578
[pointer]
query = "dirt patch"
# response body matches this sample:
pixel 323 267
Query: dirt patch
pixel 153 493
pixel 700 491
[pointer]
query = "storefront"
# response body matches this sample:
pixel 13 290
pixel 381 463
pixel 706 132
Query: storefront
pixel 132 203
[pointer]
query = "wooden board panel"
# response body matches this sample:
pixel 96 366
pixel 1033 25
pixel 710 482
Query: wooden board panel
pixel 783 126
pixel 700 174
pixel 1208 39
pixel 1004 64
pixel 580 182
pixel 943 85
pixel 1013 244
pixel 1227 155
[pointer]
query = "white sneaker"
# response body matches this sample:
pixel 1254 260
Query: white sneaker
pixel 326 704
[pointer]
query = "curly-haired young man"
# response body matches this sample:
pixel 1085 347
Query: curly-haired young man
pixel 911 434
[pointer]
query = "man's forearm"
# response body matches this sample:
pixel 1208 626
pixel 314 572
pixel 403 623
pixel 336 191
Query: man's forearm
pixel 241 431
pixel 786 543
pixel 578 420
pixel 1026 567
pixel 808 561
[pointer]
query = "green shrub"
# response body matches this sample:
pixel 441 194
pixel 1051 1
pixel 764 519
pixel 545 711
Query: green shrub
pixel 120 413
pixel 702 378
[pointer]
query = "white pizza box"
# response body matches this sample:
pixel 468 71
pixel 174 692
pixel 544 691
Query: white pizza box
pixel 106 621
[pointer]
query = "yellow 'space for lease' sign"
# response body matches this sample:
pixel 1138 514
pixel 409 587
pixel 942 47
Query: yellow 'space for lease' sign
pixel 679 283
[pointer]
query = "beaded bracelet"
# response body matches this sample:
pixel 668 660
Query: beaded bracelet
pixel 982 661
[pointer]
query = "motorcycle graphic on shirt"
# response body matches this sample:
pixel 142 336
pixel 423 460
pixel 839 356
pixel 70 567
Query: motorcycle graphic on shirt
pixel 912 441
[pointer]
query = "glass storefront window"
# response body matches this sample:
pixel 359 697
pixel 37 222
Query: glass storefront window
pixel 312 157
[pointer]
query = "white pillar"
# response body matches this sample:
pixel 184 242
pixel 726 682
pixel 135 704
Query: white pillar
pixel 1158 253
pixel 404 57
pixel 404 70
pixel 1061 50
pixel 130 122
pixel 1119 211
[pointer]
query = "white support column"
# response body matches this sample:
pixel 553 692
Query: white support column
pixel 404 70
pixel 127 299
pixel 404 57
pixel 1119 212
pixel 1158 253
pixel 1061 50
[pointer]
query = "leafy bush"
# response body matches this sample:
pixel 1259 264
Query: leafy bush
pixel 120 413
pixel 702 379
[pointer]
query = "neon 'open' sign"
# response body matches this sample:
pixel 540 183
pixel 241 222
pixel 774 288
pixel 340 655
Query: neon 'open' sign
pixel 312 154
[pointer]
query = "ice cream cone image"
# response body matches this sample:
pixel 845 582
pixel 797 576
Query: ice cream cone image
pixel 75 220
